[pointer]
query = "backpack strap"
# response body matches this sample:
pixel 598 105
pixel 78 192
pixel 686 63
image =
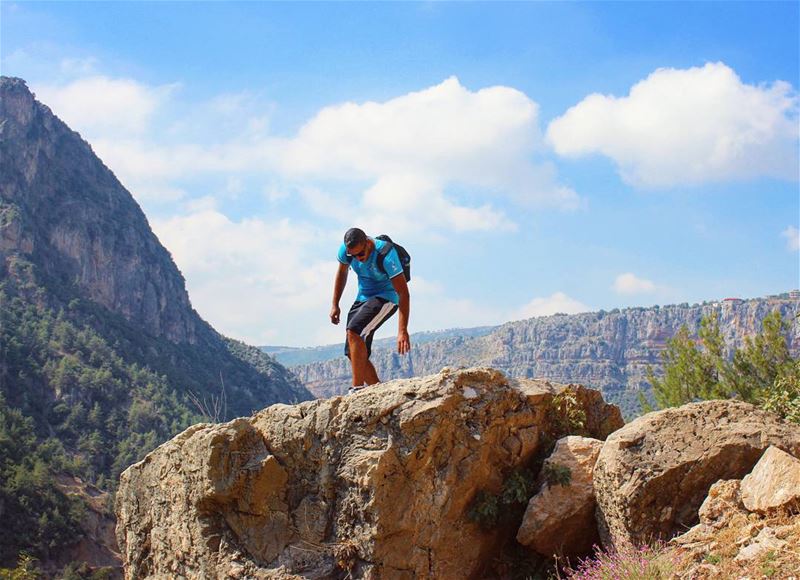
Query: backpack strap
pixel 383 252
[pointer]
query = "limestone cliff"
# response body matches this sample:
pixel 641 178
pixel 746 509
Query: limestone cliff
pixel 605 350
pixel 101 355
pixel 65 209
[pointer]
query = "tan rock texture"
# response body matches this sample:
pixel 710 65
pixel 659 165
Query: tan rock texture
pixel 773 484
pixel 560 518
pixel 723 501
pixel 653 474
pixel 722 508
pixel 376 484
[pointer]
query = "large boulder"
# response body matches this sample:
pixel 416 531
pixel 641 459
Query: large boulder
pixel 653 474
pixel 560 519
pixel 378 484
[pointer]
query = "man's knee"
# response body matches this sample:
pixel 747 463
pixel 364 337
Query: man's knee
pixel 352 336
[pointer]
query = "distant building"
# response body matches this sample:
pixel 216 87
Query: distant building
pixel 794 295
pixel 732 301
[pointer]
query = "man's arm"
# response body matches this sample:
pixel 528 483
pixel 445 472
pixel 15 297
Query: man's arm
pixel 401 287
pixel 338 288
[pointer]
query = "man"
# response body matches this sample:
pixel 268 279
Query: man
pixel 380 294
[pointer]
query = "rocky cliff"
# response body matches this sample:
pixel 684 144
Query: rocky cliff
pixel 69 227
pixel 610 351
pixel 413 479
pixel 393 482
pixel 65 210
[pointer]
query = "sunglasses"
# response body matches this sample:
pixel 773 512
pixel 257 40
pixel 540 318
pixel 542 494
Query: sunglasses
pixel 361 254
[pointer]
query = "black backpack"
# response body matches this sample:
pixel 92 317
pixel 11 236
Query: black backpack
pixel 405 257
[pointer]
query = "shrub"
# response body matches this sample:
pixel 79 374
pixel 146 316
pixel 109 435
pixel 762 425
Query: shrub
pixel 566 414
pixel 628 562
pixel 489 509
pixel 556 474
pixel 784 397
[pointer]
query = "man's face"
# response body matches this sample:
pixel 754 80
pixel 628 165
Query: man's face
pixel 360 251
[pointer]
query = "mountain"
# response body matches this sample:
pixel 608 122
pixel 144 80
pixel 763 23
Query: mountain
pixel 102 356
pixel 610 351
pixel 289 355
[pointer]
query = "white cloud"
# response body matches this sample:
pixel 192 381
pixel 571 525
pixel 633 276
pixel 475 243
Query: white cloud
pixel 687 126
pixel 433 307
pixel 792 235
pixel 440 159
pixel 101 105
pixel 404 203
pixel 629 283
pixel 413 148
pixel 558 302
pixel 253 279
pixel 81 67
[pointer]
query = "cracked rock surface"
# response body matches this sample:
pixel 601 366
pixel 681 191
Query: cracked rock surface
pixel 375 485
pixel 652 476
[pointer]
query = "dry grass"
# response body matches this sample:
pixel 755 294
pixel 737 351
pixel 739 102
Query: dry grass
pixel 712 558
pixel 717 559
pixel 346 555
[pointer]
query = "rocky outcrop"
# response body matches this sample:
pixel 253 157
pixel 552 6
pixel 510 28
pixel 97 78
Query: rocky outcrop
pixel 97 545
pixel 610 351
pixel 378 484
pixel 653 474
pixel 560 518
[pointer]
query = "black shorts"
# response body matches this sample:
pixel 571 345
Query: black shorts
pixel 366 317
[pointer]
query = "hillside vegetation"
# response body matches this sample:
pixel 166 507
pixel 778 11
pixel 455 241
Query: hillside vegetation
pixel 102 357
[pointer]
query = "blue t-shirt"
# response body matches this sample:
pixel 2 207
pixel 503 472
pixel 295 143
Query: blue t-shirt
pixel 372 281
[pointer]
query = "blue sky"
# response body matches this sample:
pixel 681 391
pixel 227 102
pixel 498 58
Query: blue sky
pixel 533 157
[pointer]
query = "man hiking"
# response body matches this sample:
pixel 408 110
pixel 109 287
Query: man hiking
pixel 382 289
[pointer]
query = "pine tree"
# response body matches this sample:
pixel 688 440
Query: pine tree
pixel 763 372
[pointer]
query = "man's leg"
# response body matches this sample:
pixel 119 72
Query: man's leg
pixel 363 320
pixel 358 358
pixel 371 374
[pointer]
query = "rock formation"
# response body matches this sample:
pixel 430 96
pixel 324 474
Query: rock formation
pixel 730 535
pixel 609 351
pixel 560 518
pixel 98 545
pixel 653 474
pixel 378 484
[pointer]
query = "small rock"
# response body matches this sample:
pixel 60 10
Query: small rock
pixel 763 542
pixel 560 519
pixel 774 482
pixel 723 501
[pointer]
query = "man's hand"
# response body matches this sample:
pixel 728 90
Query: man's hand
pixel 335 312
pixel 403 342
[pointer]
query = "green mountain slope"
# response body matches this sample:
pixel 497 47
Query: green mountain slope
pixel 101 355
